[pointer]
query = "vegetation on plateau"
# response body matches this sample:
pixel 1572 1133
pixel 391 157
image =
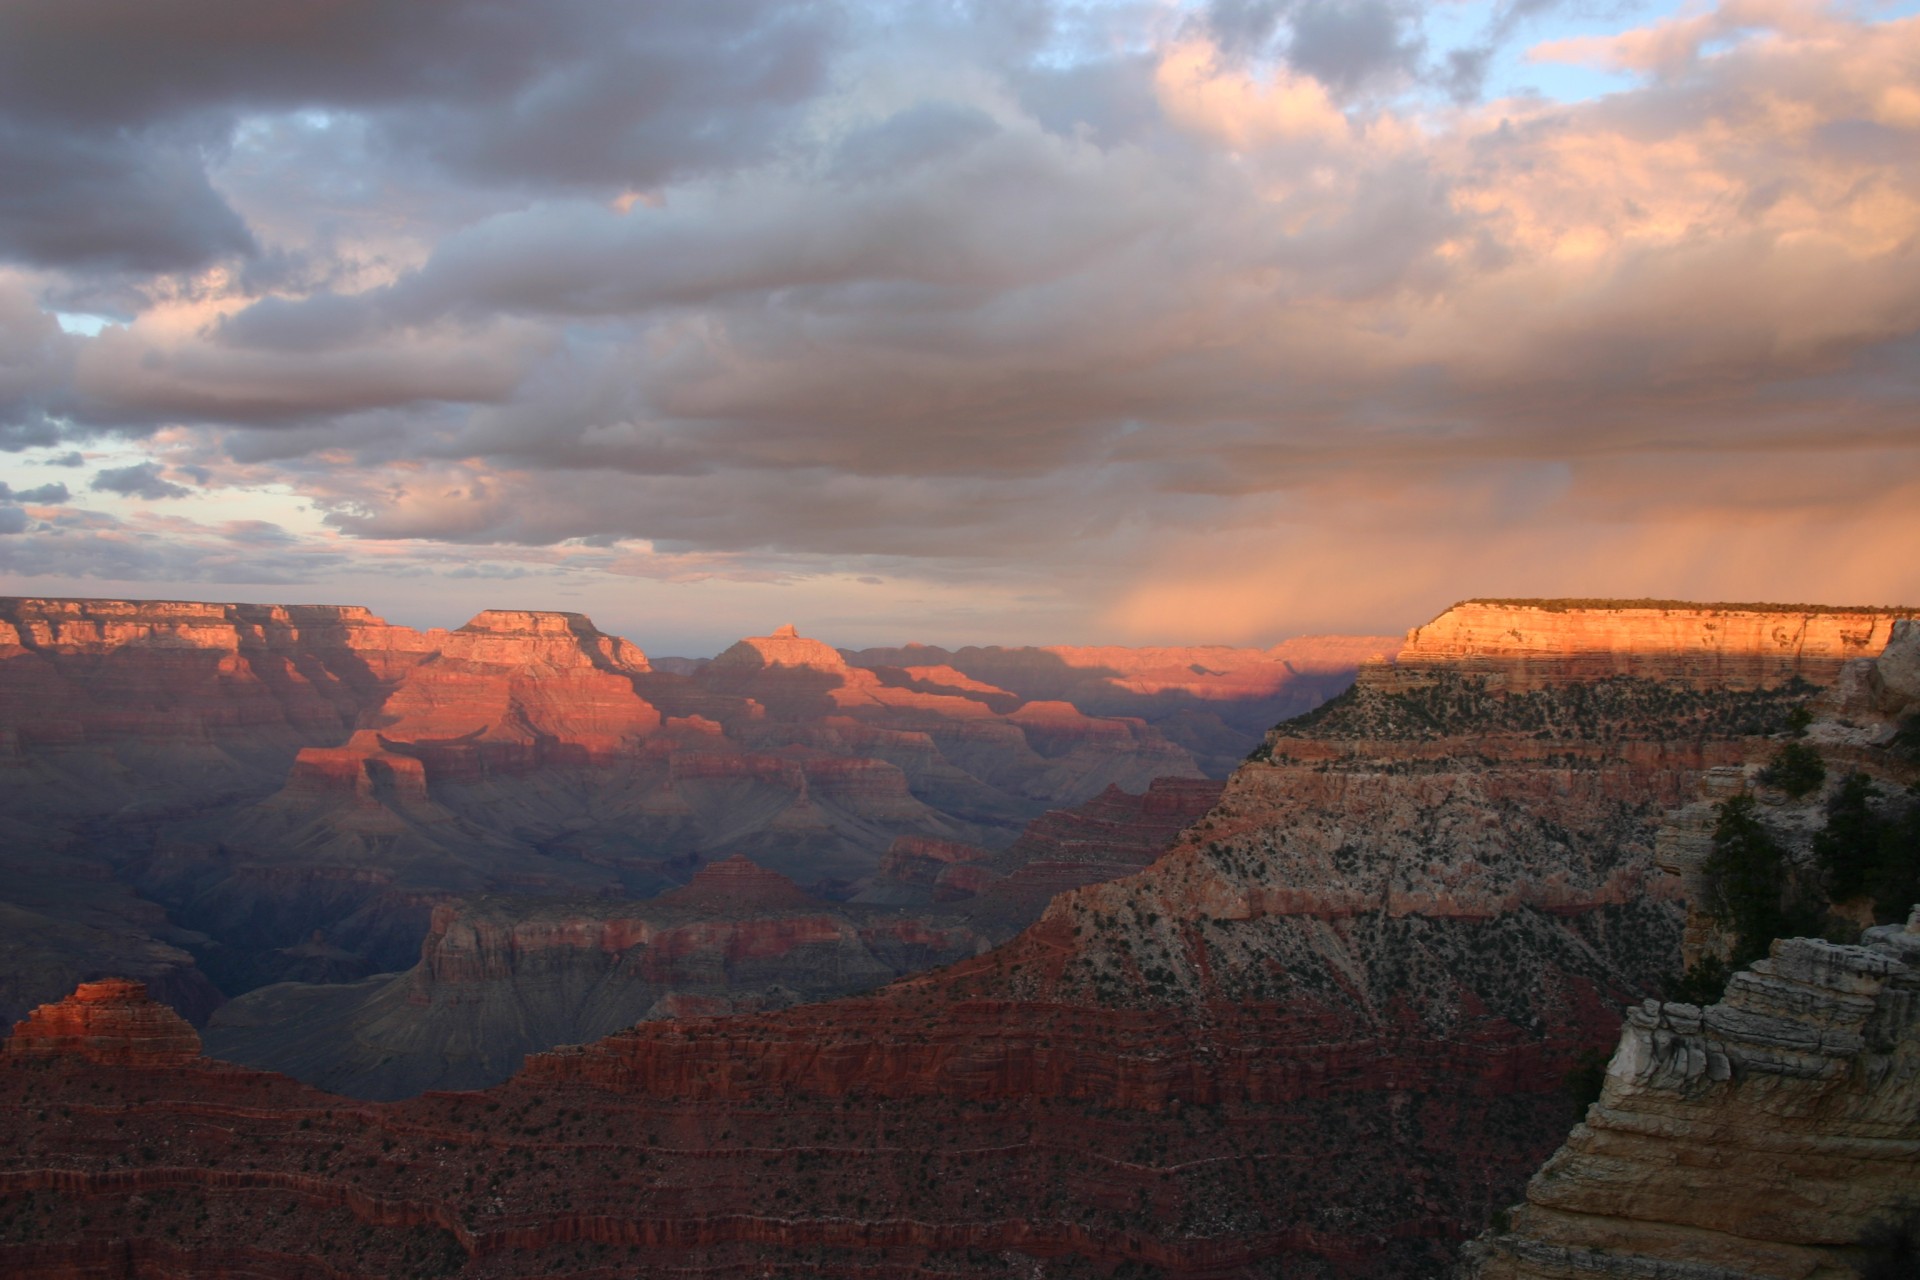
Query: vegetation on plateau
pixel 1865 858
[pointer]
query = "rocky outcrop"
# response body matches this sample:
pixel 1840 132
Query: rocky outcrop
pixel 1434 892
pixel 1759 1137
pixel 111 1022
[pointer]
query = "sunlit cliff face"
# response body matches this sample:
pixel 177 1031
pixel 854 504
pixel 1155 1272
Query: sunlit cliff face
pixel 1214 322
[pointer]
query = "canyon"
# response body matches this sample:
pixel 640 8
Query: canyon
pixel 211 798
pixel 1324 1034
pixel 499 978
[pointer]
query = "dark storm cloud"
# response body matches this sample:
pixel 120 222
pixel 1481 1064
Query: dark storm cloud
pixel 141 480
pixel 43 493
pixel 81 546
pixel 1343 43
pixel 36 370
pixel 1245 26
pixel 1346 43
pixel 95 93
pixel 110 200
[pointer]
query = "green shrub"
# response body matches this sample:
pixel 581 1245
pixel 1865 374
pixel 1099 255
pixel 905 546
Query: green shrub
pixel 1849 846
pixel 1796 769
pixel 1868 850
pixel 1586 1078
pixel 1703 984
pixel 1752 891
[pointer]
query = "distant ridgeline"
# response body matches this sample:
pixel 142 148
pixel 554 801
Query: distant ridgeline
pixel 212 797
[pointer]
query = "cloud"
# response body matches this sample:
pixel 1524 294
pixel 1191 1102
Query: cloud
pixel 48 493
pixel 1346 43
pixel 119 201
pixel 996 301
pixel 109 110
pixel 141 480
pixel 86 546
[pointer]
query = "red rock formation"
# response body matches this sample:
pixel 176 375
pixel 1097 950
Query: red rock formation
pixel 921 869
pixel 110 1022
pixel 75 672
pixel 498 978
pixel 1325 1033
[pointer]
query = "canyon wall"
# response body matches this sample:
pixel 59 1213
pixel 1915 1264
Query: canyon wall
pixel 1776 1132
pixel 1213 700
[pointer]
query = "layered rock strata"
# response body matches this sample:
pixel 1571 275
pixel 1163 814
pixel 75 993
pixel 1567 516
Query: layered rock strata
pixel 1759 1138
pixel 1854 726
pixel 111 1022
pixel 1529 644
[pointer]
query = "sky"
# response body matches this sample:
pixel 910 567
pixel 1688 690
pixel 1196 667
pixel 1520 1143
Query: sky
pixel 964 321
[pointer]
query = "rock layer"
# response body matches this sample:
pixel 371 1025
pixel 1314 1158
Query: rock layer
pixel 1759 1138
pixel 111 1022
pixel 1530 644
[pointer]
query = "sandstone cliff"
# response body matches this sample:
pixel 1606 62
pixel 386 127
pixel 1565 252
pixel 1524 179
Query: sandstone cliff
pixel 1759 1138
pixel 1768 1134
pixel 1527 644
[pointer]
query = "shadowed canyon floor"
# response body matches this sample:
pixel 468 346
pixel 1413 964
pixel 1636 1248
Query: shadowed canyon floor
pixel 1323 1036
pixel 501 978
